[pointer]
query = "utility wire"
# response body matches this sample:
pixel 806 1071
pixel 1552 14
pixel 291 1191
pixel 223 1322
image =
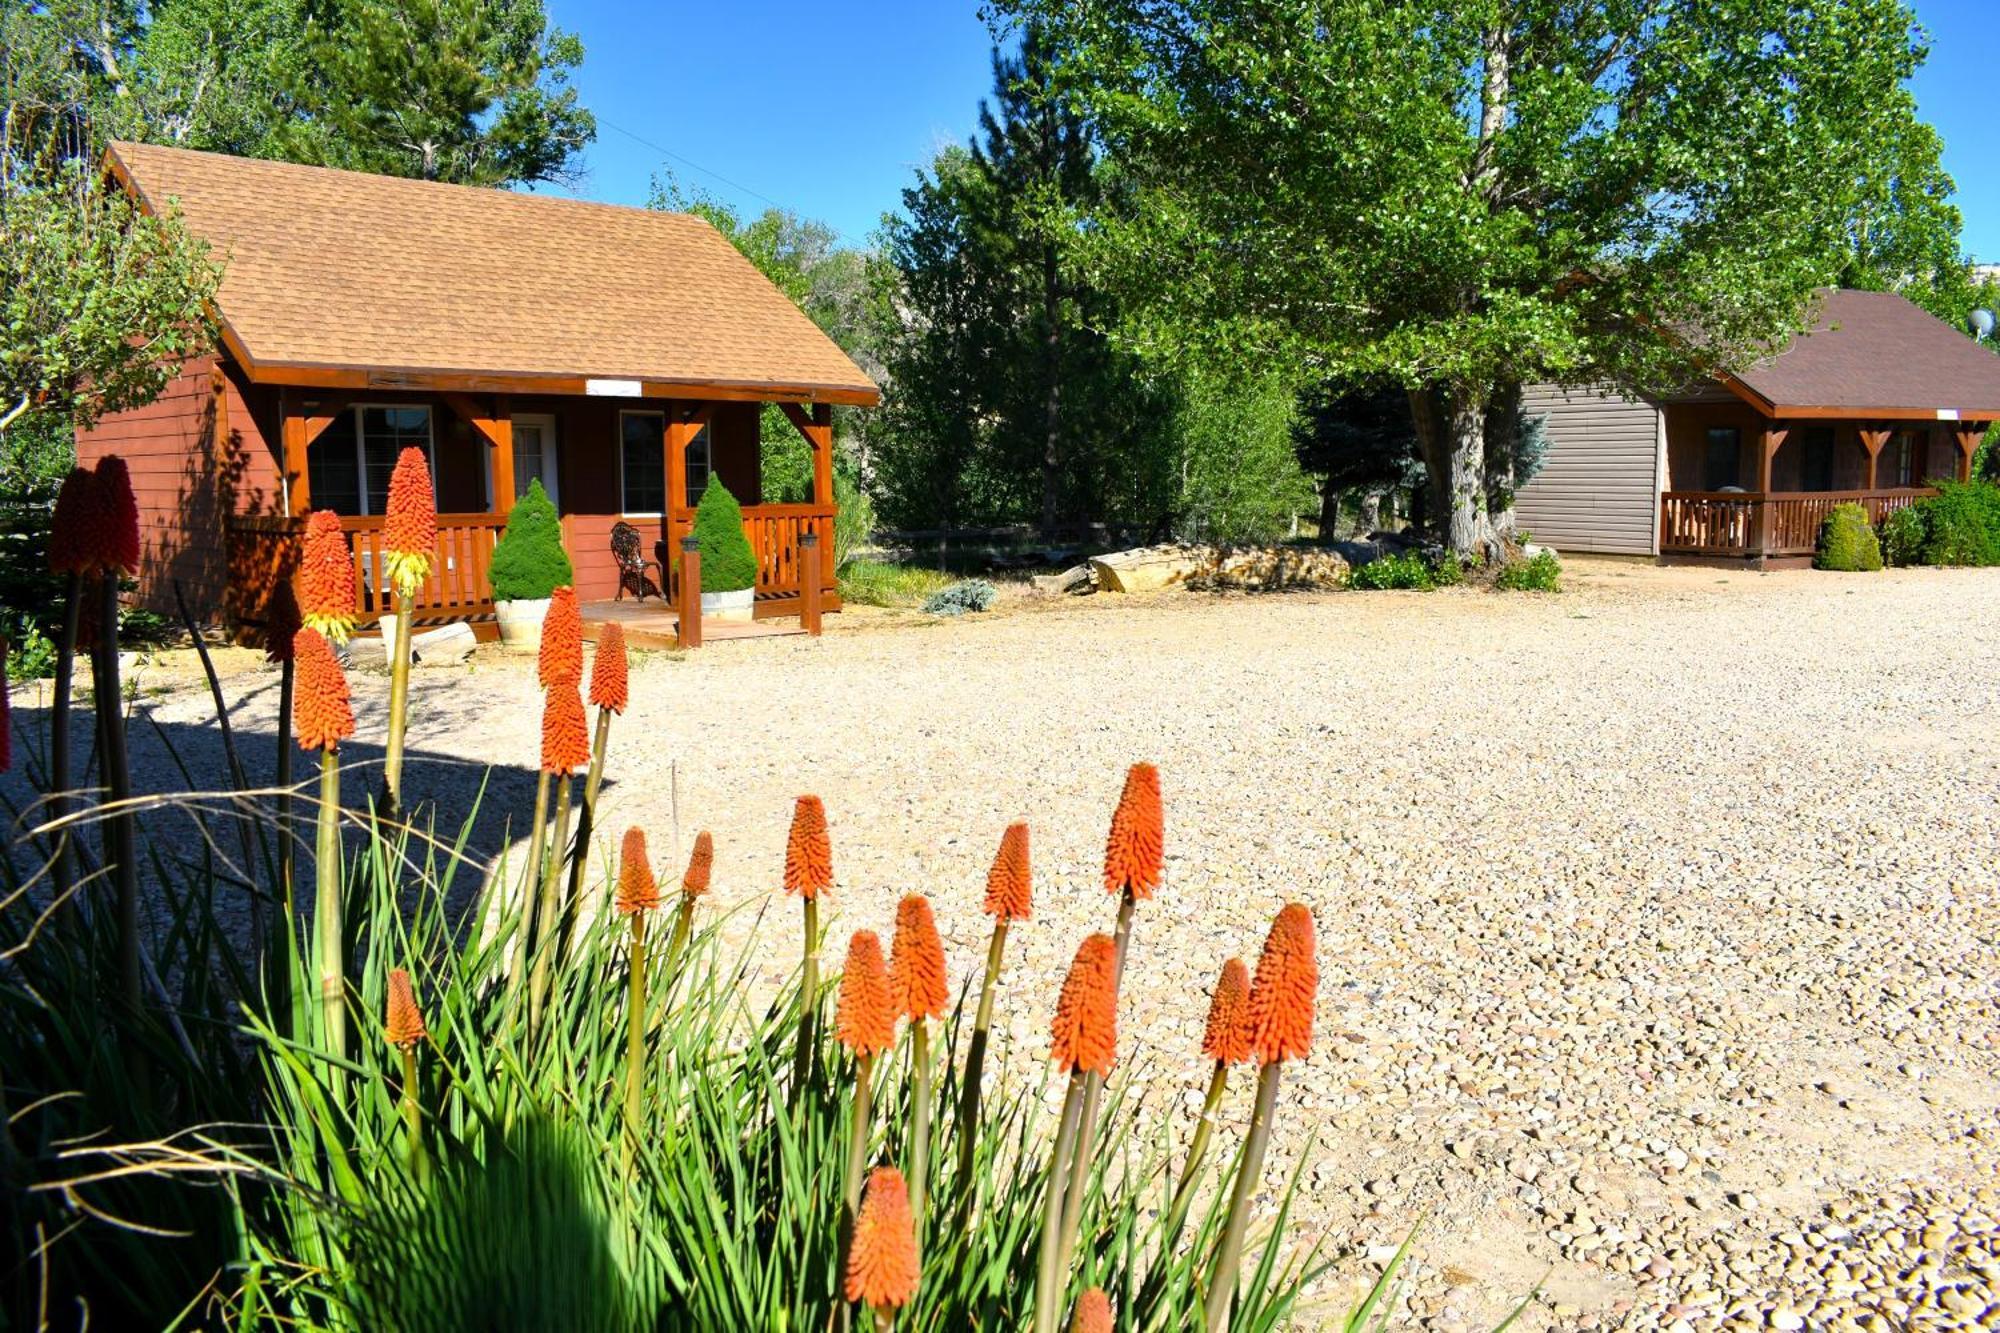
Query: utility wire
pixel 734 185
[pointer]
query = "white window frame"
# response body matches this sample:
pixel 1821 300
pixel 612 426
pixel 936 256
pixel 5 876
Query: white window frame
pixel 551 460
pixel 361 450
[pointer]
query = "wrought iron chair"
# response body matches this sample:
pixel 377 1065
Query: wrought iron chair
pixel 626 545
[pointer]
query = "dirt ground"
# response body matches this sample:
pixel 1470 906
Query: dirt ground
pixel 1659 931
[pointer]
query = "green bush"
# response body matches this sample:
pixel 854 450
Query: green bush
pixel 853 519
pixel 727 562
pixel 1540 572
pixel 1846 542
pixel 1407 571
pixel 1901 536
pixel 529 561
pixel 1961 524
pixel 965 595
pixel 885 583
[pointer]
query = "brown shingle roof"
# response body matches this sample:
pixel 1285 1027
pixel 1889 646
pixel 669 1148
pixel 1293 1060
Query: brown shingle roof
pixel 341 270
pixel 1876 352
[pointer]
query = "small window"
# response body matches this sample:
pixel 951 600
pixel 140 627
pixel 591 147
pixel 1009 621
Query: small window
pixel 348 466
pixel 642 463
pixel 1719 462
pixel 1903 459
pixel 1816 459
pixel 697 466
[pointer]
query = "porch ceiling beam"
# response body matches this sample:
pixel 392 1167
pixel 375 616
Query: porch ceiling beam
pixel 1872 440
pixel 570 386
pixel 1968 435
pixel 682 425
pixel 817 427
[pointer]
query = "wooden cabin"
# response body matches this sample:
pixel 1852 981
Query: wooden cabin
pixel 1869 406
pixel 622 356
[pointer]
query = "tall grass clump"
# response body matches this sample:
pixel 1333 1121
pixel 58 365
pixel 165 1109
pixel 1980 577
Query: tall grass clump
pixel 387 1133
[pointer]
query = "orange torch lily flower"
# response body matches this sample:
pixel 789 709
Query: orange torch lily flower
pixel 409 522
pixel 865 1018
pixel 700 862
pixel 1285 990
pixel 326 578
pixel 1093 1313
pixel 808 851
pixel 916 961
pixel 1132 853
pixel 1009 891
pixel 1086 1027
pixel 561 658
pixel 1227 1037
pixel 321 715
pixel 406 1022
pixel 565 733
pixel 638 891
pixel 72 521
pixel 115 542
pixel 609 686
pixel 882 1267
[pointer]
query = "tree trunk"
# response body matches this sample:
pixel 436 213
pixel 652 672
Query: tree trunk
pixel 1451 434
pixel 1371 513
pixel 1503 431
pixel 1052 404
pixel 1329 510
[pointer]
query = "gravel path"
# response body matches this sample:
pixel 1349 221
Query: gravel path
pixel 1659 932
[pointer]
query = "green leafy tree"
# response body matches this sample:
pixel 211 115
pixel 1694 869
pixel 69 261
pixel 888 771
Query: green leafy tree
pixel 469 91
pixel 1459 196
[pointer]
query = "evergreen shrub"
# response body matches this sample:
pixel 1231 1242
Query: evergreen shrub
pixel 529 562
pixel 1846 542
pixel 727 562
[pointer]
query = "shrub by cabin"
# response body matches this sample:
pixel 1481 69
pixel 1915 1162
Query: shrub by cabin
pixel 620 356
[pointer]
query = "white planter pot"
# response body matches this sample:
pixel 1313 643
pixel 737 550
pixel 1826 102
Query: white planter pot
pixel 738 606
pixel 521 623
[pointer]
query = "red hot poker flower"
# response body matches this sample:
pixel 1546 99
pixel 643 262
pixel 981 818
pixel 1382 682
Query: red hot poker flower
pixel 561 658
pixel 1285 990
pixel 882 1266
pixel 865 1017
pixel 326 578
pixel 700 862
pixel 608 683
pixel 916 961
pixel 565 733
pixel 406 1022
pixel 1009 892
pixel 1093 1313
pixel 1086 1027
pixel 638 891
pixel 1227 1037
pixel 321 715
pixel 409 522
pixel 808 851
pixel 115 544
pixel 74 515
pixel 1132 852
pixel 281 622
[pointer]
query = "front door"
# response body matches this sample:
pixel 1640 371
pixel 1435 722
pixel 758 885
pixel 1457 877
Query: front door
pixel 535 454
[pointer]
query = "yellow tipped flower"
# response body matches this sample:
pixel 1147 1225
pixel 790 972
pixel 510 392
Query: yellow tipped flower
pixel 409 523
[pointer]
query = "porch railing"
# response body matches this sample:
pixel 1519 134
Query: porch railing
pixel 1781 523
pixel 264 550
pixel 774 532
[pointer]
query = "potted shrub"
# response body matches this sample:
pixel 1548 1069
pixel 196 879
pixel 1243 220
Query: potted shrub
pixel 529 563
pixel 728 566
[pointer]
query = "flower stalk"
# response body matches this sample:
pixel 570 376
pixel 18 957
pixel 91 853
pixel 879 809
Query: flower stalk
pixel 638 895
pixel 1009 897
pixel 323 719
pixel 865 1023
pixel 608 695
pixel 1084 1042
pixel 922 992
pixel 808 873
pixel 409 543
pixel 404 1030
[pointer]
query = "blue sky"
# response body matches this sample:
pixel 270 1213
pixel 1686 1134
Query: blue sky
pixel 827 107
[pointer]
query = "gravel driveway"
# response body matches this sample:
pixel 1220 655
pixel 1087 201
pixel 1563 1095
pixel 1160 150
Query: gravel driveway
pixel 1659 931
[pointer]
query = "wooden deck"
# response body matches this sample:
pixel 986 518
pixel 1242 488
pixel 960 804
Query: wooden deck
pixel 1748 525
pixel 654 624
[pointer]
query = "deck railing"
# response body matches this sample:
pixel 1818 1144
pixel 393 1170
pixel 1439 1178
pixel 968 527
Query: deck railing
pixel 774 532
pixel 1782 523
pixel 264 549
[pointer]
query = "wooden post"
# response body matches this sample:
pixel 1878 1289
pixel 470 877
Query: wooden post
pixel 690 611
pixel 1872 441
pixel 1968 437
pixel 821 436
pixel 1774 438
pixel 499 434
pixel 809 586
pixel 298 483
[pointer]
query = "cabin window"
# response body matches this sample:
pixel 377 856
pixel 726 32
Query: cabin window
pixel 1906 459
pixel 349 465
pixel 642 465
pixel 642 438
pixel 1816 459
pixel 1719 461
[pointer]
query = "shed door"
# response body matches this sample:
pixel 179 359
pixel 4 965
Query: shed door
pixel 535 455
